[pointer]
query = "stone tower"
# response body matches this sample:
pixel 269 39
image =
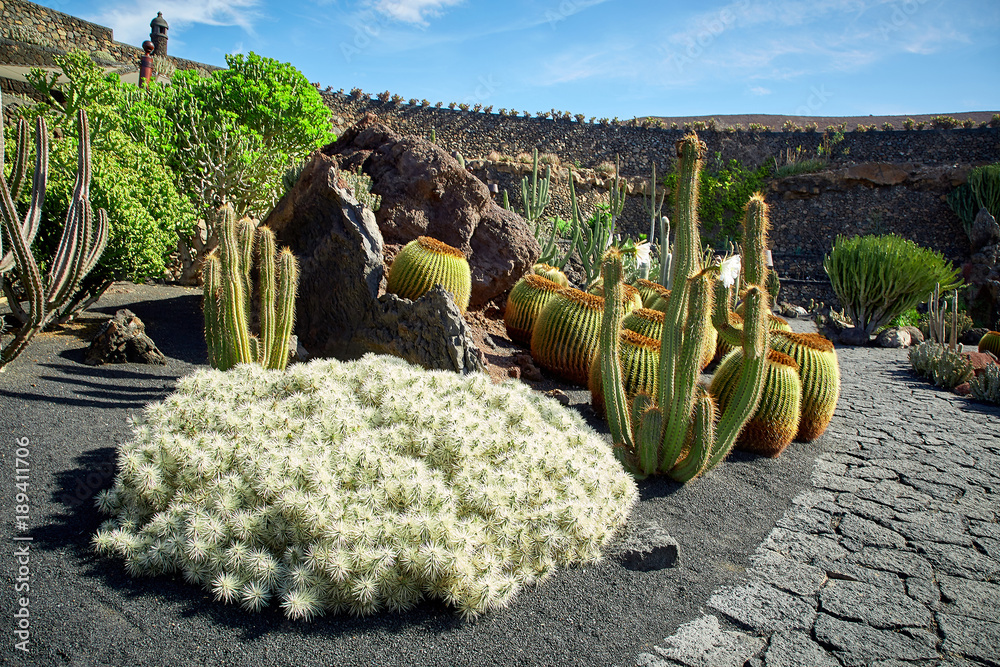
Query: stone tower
pixel 158 34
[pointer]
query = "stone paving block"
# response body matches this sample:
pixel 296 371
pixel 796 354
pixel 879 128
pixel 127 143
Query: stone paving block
pixel 874 605
pixel 785 573
pixel 904 563
pixel 977 505
pixel 871 472
pixel 960 561
pixel 866 509
pixel 933 527
pixel 932 488
pixel 813 498
pixel 796 649
pixel 970 637
pixel 977 599
pixel 838 482
pixel 985 529
pixel 763 607
pixel 845 571
pixel 991 547
pixel 868 533
pixel 812 520
pixel 803 547
pixel 924 590
pixel 899 496
pixel 858 645
pixel 702 643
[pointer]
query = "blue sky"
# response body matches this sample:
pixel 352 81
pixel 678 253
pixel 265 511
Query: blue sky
pixel 607 57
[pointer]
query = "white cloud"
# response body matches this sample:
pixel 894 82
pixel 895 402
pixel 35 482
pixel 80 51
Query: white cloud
pixel 414 11
pixel 130 20
pixel 760 90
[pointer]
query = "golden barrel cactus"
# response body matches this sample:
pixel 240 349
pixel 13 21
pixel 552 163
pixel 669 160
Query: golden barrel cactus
pixel 820 375
pixel 566 334
pixel 526 300
pixel 426 262
pixel 639 358
pixel 552 273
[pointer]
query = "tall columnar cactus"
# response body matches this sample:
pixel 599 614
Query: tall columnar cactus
pixel 640 359
pixel 228 290
pixel 630 295
pixel 83 238
pixel 535 192
pixel 526 300
pixel 650 435
pixel 775 422
pixel 426 262
pixel 820 375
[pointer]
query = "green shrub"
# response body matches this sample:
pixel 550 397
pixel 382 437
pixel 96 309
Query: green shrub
pixel 877 278
pixel 724 190
pixel 360 486
pixel 945 368
pixel 909 318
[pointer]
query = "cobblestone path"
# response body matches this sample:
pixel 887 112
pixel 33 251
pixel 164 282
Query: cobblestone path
pixel 892 558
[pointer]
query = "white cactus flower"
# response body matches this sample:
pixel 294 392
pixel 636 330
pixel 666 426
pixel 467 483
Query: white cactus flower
pixel 730 270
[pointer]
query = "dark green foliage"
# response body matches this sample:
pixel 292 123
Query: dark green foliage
pixel 724 190
pixel 981 190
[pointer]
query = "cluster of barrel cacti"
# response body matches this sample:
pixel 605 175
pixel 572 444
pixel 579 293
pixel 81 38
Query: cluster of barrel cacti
pixel 227 296
pixel 772 387
pixel 426 262
pixel 84 235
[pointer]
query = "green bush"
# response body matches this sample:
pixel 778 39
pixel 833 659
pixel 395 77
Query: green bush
pixel 945 368
pixel 877 278
pixel 359 486
pixel 980 190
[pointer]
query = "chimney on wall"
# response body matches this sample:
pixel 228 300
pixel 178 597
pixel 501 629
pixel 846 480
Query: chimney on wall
pixel 158 34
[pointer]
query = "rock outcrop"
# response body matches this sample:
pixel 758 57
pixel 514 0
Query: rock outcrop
pixel 122 340
pixel 425 192
pixel 339 312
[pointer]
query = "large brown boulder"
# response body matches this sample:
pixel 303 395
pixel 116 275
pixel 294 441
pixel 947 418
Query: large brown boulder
pixel 339 312
pixel 425 192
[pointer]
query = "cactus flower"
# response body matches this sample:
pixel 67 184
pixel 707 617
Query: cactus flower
pixel 730 270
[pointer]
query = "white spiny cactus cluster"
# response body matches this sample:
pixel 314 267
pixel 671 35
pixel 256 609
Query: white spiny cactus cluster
pixel 360 486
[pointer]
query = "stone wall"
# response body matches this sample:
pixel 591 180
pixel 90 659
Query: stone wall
pixel 476 135
pixel 56 27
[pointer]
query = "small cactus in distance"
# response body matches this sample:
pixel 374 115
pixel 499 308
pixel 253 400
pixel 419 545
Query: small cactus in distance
pixel 552 273
pixel 990 342
pixel 426 262
pixel 227 293
pixel 526 300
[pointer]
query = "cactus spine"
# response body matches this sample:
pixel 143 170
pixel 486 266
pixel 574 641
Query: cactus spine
pixel 83 238
pixel 649 438
pixel 228 290
pixel 640 358
pixel 565 337
pixel 551 272
pixel 645 322
pixel 820 375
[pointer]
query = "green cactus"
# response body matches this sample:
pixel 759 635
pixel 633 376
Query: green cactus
pixel 425 262
pixel 820 375
pixel 990 342
pixel 227 291
pixel 526 300
pixel 775 422
pixel 730 329
pixel 944 367
pixel 83 238
pixel 565 337
pixel 535 193
pixel 551 272
pixel 630 295
pixel 650 292
pixel 640 359
pixel 986 386
pixel 646 322
pixel 651 438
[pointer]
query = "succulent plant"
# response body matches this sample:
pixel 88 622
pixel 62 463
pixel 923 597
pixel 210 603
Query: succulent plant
pixel 645 322
pixel 775 422
pixel 943 366
pixel 263 486
pixel 84 235
pixel 640 360
pixel 986 386
pixel 679 431
pixel 565 337
pixel 527 298
pixel 227 291
pixel 990 342
pixel 630 295
pixel 425 262
pixel 819 372
pixel 552 273
pixel 731 329
pixel 650 291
